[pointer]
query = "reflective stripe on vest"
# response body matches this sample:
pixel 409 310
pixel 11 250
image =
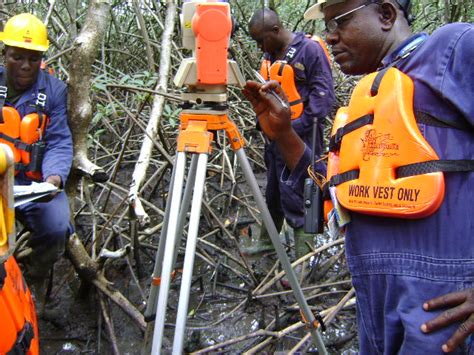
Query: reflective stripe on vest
pixel 380 161
pixel 18 322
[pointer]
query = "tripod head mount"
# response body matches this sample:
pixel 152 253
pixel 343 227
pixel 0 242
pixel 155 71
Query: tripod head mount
pixel 206 27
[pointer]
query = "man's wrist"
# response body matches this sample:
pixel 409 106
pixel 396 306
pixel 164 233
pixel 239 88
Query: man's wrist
pixel 55 180
pixel 291 147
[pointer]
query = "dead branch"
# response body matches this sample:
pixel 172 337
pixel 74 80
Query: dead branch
pixel 144 32
pixel 154 121
pixel 108 324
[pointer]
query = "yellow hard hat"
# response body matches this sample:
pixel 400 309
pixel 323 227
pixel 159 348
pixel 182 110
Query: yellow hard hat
pixel 25 31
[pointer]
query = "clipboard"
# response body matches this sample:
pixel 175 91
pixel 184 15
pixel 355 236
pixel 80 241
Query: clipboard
pixel 27 193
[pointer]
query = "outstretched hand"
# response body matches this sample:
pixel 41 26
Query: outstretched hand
pixel 460 309
pixel 274 119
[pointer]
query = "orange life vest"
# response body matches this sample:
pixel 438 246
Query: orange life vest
pixel 380 162
pixel 282 71
pixel 18 324
pixel 24 135
pixel 50 70
pixel 323 45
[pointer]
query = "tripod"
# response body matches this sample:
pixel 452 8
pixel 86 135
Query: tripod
pixel 194 138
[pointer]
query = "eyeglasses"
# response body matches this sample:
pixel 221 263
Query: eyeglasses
pixel 332 24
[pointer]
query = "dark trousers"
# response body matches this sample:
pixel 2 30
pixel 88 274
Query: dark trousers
pixel 50 225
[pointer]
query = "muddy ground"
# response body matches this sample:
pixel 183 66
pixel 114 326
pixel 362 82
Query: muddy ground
pixel 72 322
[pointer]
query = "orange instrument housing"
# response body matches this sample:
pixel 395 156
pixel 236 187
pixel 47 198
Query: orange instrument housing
pixel 375 150
pixel 212 26
pixel 17 313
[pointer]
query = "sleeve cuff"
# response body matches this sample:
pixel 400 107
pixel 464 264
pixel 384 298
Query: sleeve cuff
pixel 295 178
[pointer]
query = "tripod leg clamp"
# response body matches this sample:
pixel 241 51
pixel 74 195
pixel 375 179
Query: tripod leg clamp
pixel 156 281
pixel 318 321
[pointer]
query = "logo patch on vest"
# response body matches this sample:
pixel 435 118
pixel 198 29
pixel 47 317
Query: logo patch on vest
pixel 299 66
pixel 378 145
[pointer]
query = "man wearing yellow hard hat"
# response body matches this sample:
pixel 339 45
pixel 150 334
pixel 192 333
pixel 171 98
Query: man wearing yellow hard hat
pixel 34 116
pixel 410 120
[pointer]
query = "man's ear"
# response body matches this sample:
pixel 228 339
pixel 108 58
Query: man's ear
pixel 388 15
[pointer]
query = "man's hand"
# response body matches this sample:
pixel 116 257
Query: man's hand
pixel 55 180
pixel 460 309
pixel 275 120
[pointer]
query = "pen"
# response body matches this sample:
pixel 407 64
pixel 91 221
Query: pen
pixel 263 81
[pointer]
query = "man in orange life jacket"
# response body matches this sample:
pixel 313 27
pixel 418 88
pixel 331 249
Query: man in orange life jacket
pixel 28 90
pixel 414 278
pixel 311 95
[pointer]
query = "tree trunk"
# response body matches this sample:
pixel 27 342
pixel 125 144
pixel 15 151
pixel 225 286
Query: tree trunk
pixel 80 109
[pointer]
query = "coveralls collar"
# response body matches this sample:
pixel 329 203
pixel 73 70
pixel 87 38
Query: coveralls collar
pixel 404 49
pixel 299 36
pixel 32 92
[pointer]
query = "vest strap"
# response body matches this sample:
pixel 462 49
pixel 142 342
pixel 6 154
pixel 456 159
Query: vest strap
pixel 374 89
pixel 24 167
pixel 433 166
pixel 343 177
pixel 21 167
pixel 281 67
pixel 3 275
pixel 16 142
pixel 335 141
pixel 426 167
pixel 296 102
pixel 427 119
pixel 23 340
